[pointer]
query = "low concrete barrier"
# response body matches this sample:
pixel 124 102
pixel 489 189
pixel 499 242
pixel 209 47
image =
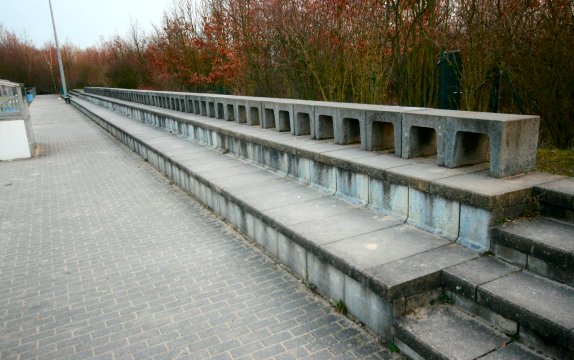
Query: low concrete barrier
pixel 456 138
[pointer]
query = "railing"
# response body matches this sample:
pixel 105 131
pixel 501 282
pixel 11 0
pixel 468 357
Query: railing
pixel 455 138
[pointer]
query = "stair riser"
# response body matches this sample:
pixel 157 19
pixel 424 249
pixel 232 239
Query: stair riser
pixel 548 262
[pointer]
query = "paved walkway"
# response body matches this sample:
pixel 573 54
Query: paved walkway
pixel 101 258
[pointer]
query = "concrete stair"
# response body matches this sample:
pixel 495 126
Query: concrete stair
pixel 522 293
pixel 446 332
pixel 498 306
pixel 542 245
pixel 341 249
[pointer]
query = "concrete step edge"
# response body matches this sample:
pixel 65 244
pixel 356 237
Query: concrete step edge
pixel 549 256
pixel 479 294
pixel 448 332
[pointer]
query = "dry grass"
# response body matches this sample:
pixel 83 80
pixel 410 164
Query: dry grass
pixel 556 161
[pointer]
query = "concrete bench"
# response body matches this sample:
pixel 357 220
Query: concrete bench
pixel 460 138
pixel 455 138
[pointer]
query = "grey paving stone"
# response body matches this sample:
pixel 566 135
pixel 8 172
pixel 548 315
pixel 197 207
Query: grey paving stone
pixel 101 257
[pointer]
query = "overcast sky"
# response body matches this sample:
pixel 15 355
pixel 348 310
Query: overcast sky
pixel 81 22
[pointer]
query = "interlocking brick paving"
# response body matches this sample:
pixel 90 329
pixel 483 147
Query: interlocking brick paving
pixel 101 258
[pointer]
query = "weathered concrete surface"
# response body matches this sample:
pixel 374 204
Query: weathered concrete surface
pixel 443 332
pixel 101 258
pixel 534 302
pixel 419 272
pixel 384 246
pixel 464 279
pixel 299 246
pixel 543 238
pixel 557 199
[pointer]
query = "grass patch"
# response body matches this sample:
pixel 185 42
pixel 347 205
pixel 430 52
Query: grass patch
pixel 393 348
pixel 443 299
pixel 556 161
pixel 341 307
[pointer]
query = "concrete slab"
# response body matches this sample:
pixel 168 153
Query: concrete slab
pixel 431 172
pixel 559 192
pixel 384 246
pixel 542 305
pixel 544 238
pixel 249 180
pixel 348 154
pixel 481 183
pixel 276 193
pixel 514 351
pixel 464 279
pixel 420 272
pixel 443 332
pixel 383 161
pixel 434 214
pixel 344 225
pixel 316 209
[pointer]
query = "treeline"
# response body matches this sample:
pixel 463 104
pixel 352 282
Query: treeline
pixel 372 51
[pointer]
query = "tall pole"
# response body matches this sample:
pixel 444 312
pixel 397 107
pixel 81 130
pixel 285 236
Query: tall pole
pixel 64 89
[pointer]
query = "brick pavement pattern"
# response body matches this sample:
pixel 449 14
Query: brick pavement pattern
pixel 101 258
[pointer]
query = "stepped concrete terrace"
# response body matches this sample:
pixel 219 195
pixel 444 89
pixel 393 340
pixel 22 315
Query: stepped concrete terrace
pixel 102 258
pixel 398 236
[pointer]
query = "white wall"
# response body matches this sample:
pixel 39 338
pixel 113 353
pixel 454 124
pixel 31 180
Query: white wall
pixel 13 140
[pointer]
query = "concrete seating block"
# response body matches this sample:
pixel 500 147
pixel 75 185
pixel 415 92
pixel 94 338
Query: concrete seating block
pixel 383 129
pixel 303 115
pixel 349 125
pixel 220 108
pixel 248 111
pixel 323 123
pixel 508 141
pixel 423 134
pixel 283 112
pixel 269 115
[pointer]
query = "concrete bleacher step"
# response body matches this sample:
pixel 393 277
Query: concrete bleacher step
pixel 379 265
pixel 446 332
pixel 557 199
pixel 537 309
pixel 543 245
pixel 335 245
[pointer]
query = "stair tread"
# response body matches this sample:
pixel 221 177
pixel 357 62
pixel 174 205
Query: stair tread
pixel 446 332
pixel 544 238
pixel 464 279
pixel 514 351
pixel 542 305
pixel 559 192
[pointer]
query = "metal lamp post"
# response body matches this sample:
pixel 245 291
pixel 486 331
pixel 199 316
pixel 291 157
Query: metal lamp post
pixel 64 88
